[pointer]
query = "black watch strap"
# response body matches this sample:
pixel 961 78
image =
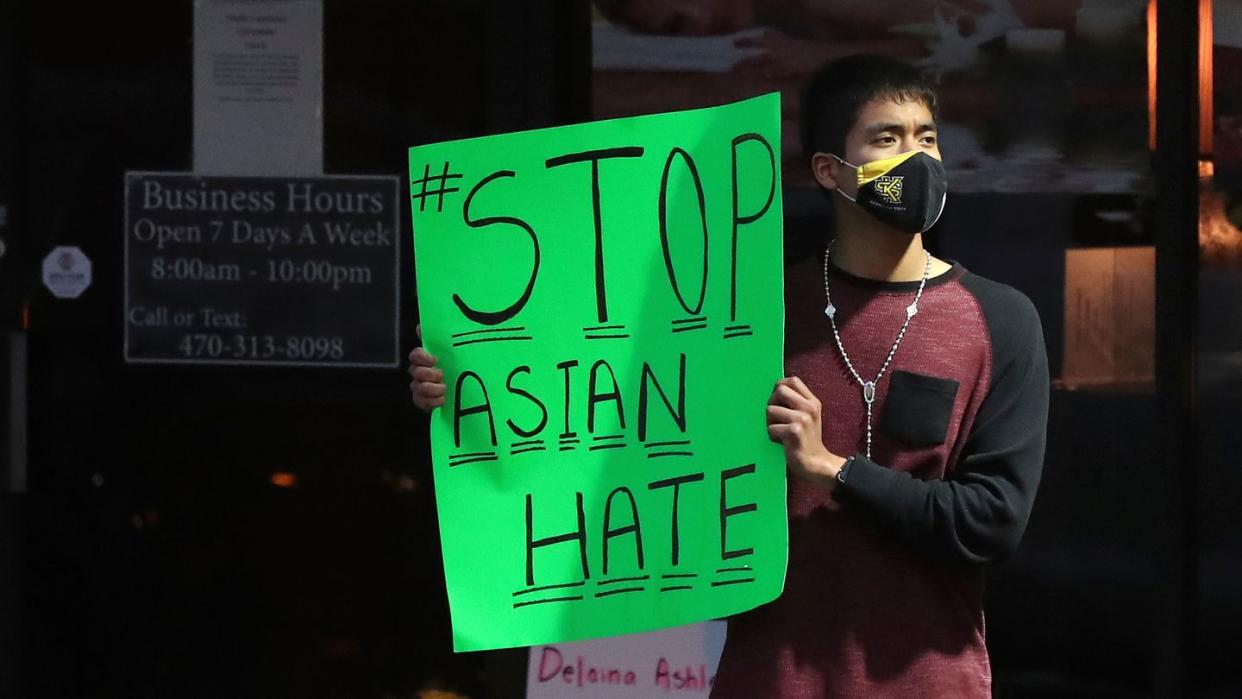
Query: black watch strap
pixel 843 473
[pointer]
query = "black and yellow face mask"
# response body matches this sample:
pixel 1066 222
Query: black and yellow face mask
pixel 907 192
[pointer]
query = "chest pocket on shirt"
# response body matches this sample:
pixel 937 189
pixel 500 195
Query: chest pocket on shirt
pixel 918 407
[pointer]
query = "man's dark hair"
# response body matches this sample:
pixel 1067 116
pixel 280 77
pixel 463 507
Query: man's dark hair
pixel 837 93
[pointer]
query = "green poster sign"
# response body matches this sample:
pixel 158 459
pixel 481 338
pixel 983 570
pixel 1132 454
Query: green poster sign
pixel 606 302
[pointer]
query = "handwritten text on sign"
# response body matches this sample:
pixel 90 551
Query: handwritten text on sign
pixel 606 301
pixel 680 661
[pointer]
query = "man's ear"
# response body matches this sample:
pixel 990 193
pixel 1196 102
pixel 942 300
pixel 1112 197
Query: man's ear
pixel 824 168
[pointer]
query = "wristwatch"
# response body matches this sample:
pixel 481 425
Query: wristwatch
pixel 841 473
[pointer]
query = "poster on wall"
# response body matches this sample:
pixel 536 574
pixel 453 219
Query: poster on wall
pixel 1035 95
pixel 601 466
pixel 258 87
pixel 1110 319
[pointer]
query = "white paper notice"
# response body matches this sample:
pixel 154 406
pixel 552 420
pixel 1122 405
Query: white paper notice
pixel 1110 316
pixel 679 661
pixel 258 87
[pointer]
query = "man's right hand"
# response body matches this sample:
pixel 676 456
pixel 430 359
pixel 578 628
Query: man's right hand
pixel 426 381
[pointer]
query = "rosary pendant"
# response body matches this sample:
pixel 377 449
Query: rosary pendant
pixel 868 387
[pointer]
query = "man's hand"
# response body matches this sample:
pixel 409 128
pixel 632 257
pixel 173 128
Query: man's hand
pixel 426 381
pixel 795 421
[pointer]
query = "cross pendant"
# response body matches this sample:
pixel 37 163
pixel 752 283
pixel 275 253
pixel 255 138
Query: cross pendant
pixel 869 392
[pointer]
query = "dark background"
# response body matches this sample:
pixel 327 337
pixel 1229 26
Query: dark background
pixel 152 553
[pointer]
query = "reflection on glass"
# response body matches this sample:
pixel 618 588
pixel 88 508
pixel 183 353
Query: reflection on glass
pixel 1037 96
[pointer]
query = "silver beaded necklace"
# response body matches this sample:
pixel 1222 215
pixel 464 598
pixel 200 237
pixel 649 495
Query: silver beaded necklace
pixel 868 387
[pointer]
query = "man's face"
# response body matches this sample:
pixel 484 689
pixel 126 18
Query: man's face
pixel 886 128
pixel 687 17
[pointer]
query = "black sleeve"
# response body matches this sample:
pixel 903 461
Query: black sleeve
pixel 978 513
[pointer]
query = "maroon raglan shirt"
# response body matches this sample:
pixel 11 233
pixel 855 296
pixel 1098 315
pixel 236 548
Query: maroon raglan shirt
pixel 883 596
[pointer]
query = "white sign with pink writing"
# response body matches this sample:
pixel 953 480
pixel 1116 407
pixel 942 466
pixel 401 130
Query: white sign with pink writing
pixel 673 662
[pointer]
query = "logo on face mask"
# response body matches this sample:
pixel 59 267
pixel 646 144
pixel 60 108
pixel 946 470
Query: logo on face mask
pixel 883 194
pixel 889 187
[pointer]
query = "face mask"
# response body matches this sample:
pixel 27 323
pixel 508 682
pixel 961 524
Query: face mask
pixel 906 192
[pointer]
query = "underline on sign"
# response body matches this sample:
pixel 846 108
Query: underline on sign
pixel 493 339
pixel 489 330
pixel 619 580
pixel 545 601
pixel 667 444
pixel 614 445
pixel 722 583
pixel 623 590
pixel 541 588
pixel 476 459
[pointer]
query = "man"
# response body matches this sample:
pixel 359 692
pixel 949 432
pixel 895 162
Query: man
pixel 913 421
